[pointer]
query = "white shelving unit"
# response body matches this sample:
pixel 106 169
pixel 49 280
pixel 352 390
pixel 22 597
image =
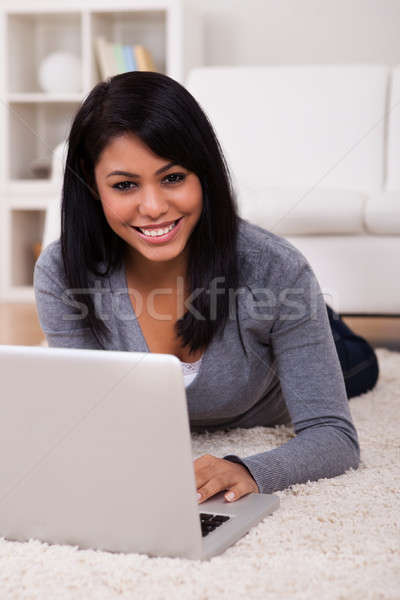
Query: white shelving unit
pixel 33 121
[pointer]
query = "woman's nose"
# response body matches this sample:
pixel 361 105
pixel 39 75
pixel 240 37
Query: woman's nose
pixel 152 202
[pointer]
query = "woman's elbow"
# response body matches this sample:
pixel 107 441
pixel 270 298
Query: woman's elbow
pixel 352 454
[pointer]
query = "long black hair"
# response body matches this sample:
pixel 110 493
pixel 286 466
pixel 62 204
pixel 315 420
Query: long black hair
pixel 168 119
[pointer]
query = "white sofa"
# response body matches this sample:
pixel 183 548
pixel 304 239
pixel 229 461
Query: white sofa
pixel 315 159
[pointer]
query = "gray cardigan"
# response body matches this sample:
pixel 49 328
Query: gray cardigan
pixel 276 362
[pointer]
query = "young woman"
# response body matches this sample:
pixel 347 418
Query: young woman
pixel 153 257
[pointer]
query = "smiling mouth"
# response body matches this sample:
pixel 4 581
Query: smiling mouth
pixel 154 228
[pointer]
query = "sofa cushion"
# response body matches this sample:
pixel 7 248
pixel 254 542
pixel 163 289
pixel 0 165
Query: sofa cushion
pixel 295 125
pixel 301 211
pixel 382 213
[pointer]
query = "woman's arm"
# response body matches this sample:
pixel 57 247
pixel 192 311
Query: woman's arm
pixel 61 318
pixel 306 361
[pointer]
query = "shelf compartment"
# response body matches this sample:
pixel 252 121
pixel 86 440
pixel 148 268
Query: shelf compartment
pixel 146 27
pixel 31 37
pixel 30 193
pixel 35 130
pixel 27 228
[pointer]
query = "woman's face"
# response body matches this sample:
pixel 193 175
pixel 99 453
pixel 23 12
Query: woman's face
pixel 139 189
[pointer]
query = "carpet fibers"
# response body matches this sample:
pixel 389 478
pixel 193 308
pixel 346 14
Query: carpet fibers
pixel 333 538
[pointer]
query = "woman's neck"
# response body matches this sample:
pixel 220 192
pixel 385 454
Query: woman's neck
pixel 150 274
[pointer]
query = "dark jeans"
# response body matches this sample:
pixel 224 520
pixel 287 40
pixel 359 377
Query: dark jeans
pixel 357 358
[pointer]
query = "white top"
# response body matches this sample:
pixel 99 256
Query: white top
pixel 190 370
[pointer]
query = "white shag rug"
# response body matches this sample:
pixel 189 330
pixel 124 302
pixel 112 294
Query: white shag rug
pixel 334 538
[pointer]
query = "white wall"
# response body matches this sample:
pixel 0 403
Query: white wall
pixel 244 32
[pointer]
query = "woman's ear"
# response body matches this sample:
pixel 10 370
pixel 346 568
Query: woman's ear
pixel 91 185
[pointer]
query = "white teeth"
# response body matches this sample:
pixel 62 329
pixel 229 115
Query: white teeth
pixel 156 232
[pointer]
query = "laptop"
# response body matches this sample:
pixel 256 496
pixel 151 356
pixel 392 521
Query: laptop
pixel 96 452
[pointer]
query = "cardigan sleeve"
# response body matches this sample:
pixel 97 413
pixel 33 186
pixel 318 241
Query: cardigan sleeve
pixel 61 318
pixel 306 362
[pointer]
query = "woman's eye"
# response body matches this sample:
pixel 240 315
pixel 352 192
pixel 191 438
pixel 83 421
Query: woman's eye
pixel 181 177
pixel 124 188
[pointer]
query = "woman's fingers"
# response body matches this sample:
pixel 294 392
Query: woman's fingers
pixel 208 481
pixel 211 488
pixel 214 475
pixel 239 490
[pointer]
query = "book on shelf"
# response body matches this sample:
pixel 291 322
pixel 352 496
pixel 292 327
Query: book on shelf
pixel 119 58
pixel 105 58
pixel 143 58
pixel 114 58
pixel 129 57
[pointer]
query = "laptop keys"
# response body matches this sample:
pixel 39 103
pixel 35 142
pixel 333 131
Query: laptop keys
pixel 210 522
pixel 220 519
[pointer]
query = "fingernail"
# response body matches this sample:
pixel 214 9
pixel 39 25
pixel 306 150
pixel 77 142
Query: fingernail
pixel 198 496
pixel 230 496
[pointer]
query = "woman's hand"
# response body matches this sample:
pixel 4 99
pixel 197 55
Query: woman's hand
pixel 216 474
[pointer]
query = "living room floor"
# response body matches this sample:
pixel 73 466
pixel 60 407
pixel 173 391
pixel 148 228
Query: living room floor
pixel 19 324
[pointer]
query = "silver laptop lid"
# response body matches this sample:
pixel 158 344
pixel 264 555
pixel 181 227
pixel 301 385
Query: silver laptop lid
pixel 96 451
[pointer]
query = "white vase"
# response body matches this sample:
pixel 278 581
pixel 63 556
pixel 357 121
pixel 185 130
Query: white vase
pixel 60 72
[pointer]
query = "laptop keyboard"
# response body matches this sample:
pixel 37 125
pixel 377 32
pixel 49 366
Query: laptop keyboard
pixel 211 522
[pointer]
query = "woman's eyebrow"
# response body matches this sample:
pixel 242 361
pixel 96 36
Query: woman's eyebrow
pixel 127 174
